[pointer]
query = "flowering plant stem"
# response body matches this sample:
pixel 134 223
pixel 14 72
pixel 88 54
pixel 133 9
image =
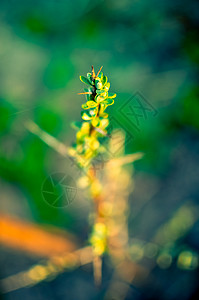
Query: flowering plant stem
pixel 88 147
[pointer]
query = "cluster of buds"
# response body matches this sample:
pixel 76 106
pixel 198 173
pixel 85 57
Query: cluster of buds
pixel 95 118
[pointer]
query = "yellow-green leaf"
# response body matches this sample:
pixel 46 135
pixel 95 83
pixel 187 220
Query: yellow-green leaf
pixel 84 106
pixel 104 80
pixel 95 122
pixel 85 80
pixel 91 104
pixel 85 116
pixel 104 115
pixel 100 91
pixel 111 95
pixel 108 101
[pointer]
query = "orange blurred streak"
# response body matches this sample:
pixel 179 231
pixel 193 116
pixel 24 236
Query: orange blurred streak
pixel 31 238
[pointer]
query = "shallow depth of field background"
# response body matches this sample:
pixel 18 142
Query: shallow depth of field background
pixel 145 47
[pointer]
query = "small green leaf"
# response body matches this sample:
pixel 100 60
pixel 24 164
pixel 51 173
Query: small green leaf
pixel 100 91
pixel 104 80
pixel 84 106
pixel 85 116
pixel 100 75
pixel 90 78
pixel 107 86
pixel 98 85
pixel 85 80
pixel 104 115
pixel 89 75
pixel 111 95
pixel 108 101
pixel 93 112
pixel 91 104
pixel 95 122
pixel 99 98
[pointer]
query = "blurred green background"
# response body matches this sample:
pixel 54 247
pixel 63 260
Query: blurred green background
pixel 150 47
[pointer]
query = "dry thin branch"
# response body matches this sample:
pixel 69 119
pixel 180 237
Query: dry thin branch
pixel 47 138
pixel 47 271
pixel 62 149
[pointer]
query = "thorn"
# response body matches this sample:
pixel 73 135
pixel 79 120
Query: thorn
pixel 99 71
pixel 93 72
pixel 85 93
pixel 127 159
